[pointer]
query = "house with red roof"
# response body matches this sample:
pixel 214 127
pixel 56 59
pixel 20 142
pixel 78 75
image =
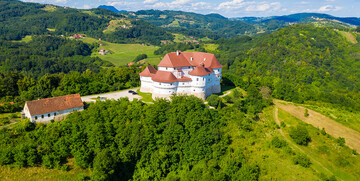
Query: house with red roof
pixel 52 108
pixel 190 73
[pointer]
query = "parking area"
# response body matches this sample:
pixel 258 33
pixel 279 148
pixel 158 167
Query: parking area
pixel 112 95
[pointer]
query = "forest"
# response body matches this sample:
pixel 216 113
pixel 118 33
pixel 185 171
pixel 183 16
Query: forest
pixel 18 19
pixel 298 63
pixel 55 66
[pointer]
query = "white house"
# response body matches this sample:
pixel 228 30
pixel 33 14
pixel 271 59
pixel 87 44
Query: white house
pixel 52 108
pixel 191 73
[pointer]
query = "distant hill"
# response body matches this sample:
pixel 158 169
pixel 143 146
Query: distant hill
pixel 212 25
pixel 300 17
pixel 18 19
pixel 111 8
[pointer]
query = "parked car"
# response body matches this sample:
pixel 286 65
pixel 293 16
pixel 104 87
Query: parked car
pixel 130 91
pixel 135 93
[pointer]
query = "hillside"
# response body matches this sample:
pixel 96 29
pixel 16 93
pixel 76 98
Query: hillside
pixel 192 24
pixel 298 63
pixel 18 19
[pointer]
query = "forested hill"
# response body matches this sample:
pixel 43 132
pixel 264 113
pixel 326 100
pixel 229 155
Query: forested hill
pixel 298 63
pixel 192 24
pixel 18 19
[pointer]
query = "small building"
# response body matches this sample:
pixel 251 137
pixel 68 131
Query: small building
pixel 55 108
pixel 102 52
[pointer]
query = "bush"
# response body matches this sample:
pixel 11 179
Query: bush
pixel 278 143
pixel 140 57
pixel 341 141
pixel 306 113
pixel 302 160
pixel 213 100
pixel 300 135
pixel 323 132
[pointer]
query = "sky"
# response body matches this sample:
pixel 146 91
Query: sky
pixel 227 8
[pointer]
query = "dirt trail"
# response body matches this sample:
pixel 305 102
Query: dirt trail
pixel 295 146
pixel 335 129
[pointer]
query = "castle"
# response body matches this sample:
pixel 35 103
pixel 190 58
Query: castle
pixel 191 73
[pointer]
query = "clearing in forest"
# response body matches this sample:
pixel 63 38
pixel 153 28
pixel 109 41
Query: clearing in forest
pixel 320 121
pixel 122 54
pixel 349 37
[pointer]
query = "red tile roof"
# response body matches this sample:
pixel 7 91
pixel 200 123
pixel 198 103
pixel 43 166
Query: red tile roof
pixel 168 77
pixel 164 76
pixel 186 59
pixel 201 71
pixel 149 71
pixel 49 105
pixel 174 60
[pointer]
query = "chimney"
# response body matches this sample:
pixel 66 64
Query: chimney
pixel 191 59
pixel 204 59
pixel 177 52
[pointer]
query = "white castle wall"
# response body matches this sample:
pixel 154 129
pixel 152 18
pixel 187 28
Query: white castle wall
pixel 200 86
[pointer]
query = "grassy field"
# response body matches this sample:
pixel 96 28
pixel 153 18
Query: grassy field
pixel 326 155
pixel 349 37
pixel 9 118
pixel 147 97
pixel 40 173
pixel 115 24
pixel 122 54
pixel 26 39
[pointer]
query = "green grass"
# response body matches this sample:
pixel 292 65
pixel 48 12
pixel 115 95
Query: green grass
pixel 147 97
pixel 349 37
pixel 8 118
pixel 49 8
pixel 115 24
pixel 26 39
pixel 40 173
pixel 326 155
pixel 123 54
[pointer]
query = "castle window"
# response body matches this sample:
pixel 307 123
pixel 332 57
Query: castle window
pixel 48 115
pixel 197 79
pixel 35 117
pixel 54 113
pixel 183 83
pixel 42 116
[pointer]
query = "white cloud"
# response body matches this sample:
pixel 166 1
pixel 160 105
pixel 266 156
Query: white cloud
pixel 264 6
pixel 150 1
pixel 329 0
pixel 329 8
pixel 304 2
pixel 249 6
pixel 86 6
pixel 61 1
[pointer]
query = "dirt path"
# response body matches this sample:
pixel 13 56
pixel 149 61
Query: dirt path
pixel 296 146
pixel 112 95
pixel 335 129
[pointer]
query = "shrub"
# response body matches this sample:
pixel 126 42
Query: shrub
pixel 306 113
pixel 278 143
pixel 341 141
pixel 213 100
pixel 302 160
pixel 140 57
pixel 300 135
pixel 323 132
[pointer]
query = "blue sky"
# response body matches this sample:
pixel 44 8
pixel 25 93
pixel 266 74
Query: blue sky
pixel 228 8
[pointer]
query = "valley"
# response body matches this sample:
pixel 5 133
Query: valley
pixel 288 108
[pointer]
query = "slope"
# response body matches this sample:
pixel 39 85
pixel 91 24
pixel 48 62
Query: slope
pixel 18 19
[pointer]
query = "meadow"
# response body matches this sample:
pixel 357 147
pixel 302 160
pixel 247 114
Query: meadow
pixel 122 54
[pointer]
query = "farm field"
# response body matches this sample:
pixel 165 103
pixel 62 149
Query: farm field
pixel 122 54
